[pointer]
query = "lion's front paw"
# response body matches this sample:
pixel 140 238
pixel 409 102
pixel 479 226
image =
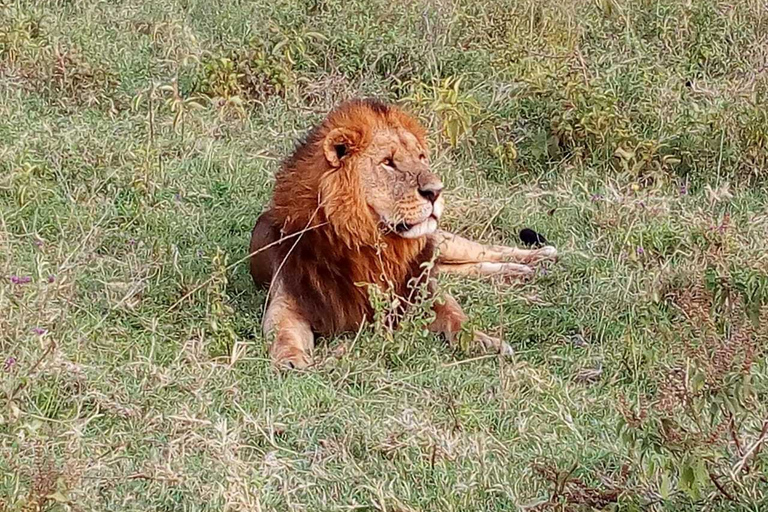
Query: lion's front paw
pixel 545 253
pixel 290 358
pixel 493 345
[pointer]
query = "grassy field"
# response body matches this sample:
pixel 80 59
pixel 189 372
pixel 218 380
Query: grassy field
pixel 138 140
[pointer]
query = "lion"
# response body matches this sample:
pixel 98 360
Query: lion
pixel 357 204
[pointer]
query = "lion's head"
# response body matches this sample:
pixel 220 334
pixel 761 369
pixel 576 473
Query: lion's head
pixel 366 167
pixel 388 154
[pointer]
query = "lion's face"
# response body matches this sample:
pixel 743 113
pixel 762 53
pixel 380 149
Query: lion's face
pixel 401 192
pixel 399 187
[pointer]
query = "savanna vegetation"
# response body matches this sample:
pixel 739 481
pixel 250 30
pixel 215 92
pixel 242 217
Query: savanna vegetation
pixel 138 141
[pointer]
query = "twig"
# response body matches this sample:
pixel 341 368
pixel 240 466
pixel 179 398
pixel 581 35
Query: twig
pixel 580 58
pixel 754 449
pixel 719 486
pixel 720 156
pixel 470 360
pixel 288 254
pixel 139 476
pixel 491 219
pixel 357 336
pixel 762 435
pixel 562 481
pixel 547 55
pixel 84 241
pixel 31 371
pixel 735 436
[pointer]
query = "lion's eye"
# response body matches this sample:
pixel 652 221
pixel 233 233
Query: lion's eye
pixel 389 162
pixel 422 157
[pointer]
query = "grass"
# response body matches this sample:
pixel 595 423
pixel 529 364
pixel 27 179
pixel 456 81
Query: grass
pixel 138 141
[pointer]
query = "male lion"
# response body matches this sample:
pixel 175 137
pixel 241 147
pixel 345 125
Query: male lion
pixel 357 204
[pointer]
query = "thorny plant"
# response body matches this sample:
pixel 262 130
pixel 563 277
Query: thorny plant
pixel 700 434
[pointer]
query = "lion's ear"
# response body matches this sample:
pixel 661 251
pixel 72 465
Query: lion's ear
pixel 340 143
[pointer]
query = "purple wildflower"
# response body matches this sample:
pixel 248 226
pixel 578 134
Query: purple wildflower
pixel 38 242
pixel 39 331
pixel 132 242
pixel 640 250
pixel 21 279
pixel 683 190
pixel 51 278
pixel 9 364
pixel 597 197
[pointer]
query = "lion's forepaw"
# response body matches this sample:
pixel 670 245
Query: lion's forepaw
pixel 291 358
pixel 492 344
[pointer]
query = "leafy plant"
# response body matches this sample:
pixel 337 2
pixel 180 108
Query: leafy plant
pixel 456 109
pixel 223 78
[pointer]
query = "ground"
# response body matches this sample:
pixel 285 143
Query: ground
pixel 138 143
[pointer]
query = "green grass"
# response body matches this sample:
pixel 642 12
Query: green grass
pixel 138 141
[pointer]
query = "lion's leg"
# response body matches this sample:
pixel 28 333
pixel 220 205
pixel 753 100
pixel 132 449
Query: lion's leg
pixel 514 270
pixel 449 319
pixel 455 249
pixel 292 333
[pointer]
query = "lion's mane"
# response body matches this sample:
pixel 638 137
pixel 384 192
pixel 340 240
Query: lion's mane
pixel 326 268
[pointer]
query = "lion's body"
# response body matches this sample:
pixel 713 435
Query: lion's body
pixel 327 279
pixel 357 205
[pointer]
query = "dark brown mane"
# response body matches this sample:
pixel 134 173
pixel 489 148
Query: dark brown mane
pixel 326 269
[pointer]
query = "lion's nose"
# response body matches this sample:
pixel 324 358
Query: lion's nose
pixel 431 191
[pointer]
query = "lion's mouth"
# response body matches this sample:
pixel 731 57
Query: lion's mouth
pixel 403 227
pixel 417 230
pixel 424 227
